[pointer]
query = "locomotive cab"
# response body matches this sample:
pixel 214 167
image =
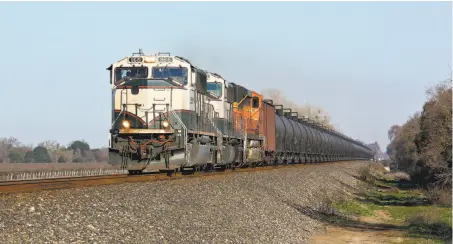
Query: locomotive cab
pixel 158 105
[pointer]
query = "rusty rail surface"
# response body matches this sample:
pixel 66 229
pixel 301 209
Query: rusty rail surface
pixel 62 183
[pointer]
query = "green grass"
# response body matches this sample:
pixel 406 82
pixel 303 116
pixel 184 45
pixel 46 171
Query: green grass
pixel 409 210
pixel 396 197
pixel 355 208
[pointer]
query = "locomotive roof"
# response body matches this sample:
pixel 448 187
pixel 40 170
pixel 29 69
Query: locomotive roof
pixel 140 53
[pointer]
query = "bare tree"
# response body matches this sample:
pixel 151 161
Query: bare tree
pixel 392 131
pixel 9 142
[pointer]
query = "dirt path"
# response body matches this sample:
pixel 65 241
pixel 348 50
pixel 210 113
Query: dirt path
pixel 357 236
pixel 364 235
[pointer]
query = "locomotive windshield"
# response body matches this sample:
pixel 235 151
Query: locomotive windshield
pixel 215 88
pixel 179 74
pixel 130 72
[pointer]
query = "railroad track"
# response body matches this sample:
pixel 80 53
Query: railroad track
pixel 85 181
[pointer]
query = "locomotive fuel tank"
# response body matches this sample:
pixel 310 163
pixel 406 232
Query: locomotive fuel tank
pixel 229 154
pixel 254 152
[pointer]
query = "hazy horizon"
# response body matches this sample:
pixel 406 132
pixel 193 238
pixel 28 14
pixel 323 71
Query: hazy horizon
pixel 367 64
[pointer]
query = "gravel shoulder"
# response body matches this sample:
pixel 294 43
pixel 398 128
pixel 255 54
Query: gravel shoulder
pixel 257 207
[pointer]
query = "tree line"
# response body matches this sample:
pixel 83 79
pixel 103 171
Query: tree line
pixel 423 145
pixel 78 151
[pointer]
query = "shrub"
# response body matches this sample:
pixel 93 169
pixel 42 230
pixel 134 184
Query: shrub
pixel 366 175
pixel 439 196
pixel 428 223
pixel 371 172
pixel 399 175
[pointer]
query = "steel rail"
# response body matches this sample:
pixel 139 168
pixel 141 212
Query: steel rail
pixel 86 181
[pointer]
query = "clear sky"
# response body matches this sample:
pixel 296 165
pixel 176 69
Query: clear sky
pixel 367 64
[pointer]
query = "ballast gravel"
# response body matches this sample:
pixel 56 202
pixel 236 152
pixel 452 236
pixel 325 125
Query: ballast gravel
pixel 256 207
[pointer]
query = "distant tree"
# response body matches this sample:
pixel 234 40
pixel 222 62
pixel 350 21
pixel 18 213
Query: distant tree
pixel 50 145
pixel 62 159
pixel 6 144
pixel 9 142
pixel 29 157
pixel 402 148
pixel 16 156
pixel 67 155
pixel 434 142
pixel 41 155
pixel 77 156
pixel 3 154
pixel 82 145
pixel 392 131
pixel 101 155
pixel 89 156
pixel 53 147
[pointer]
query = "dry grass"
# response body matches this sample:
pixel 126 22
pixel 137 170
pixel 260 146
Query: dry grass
pixel 399 176
pixel 371 172
pixel 327 203
pixel 439 196
pixel 427 217
pixel 429 223
pixel 29 167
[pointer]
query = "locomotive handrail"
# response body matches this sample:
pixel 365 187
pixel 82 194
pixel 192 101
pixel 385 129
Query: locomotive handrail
pixel 182 125
pixel 113 101
pixel 219 139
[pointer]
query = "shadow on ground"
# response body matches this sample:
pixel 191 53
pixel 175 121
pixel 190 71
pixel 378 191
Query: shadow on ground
pixel 396 198
pixel 341 221
pixel 393 199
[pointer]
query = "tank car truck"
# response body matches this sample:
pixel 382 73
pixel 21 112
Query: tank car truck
pixel 161 115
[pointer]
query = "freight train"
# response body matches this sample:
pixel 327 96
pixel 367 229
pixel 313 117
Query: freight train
pixel 169 115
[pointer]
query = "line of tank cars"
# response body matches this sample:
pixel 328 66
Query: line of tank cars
pixel 169 115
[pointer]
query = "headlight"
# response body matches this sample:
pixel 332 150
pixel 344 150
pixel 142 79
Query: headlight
pixel 126 124
pixel 165 124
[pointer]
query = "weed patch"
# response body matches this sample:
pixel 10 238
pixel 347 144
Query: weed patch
pixel 353 207
pixel 432 223
pixel 395 197
pixel 439 196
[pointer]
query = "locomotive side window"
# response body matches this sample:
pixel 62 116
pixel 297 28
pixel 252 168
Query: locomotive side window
pixel 215 87
pixel 255 102
pixel 130 72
